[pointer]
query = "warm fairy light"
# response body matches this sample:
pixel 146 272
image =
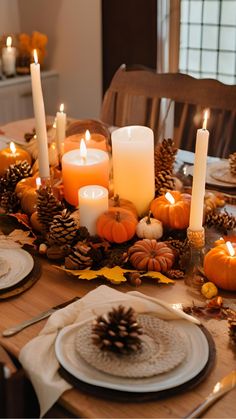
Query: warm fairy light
pixel 206 116
pixel 83 150
pixel 38 182
pixel 87 135
pixel 170 198
pixel 9 42
pixel 35 56
pixel 62 107
pixel 12 147
pixel 230 249
pixel 55 123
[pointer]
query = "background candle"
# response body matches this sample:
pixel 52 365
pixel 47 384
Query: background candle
pixel 199 178
pixel 93 201
pixel 93 140
pixel 12 155
pixel 9 58
pixel 40 120
pixel 78 171
pixel 60 129
pixel 133 165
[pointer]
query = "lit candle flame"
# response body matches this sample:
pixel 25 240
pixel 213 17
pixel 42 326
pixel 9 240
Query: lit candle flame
pixel 55 123
pixel 12 147
pixel 38 182
pixel 62 107
pixel 170 197
pixel 83 150
pixel 35 56
pixel 87 135
pixel 230 249
pixel 206 116
pixel 9 42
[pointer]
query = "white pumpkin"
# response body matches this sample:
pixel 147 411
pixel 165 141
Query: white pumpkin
pixel 149 228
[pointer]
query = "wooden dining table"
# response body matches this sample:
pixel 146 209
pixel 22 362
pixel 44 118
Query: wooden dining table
pixel 55 286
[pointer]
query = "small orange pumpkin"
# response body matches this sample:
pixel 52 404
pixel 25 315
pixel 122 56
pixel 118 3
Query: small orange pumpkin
pixel 150 255
pixel 220 267
pixel 174 215
pixel 26 191
pixel 35 223
pixel 116 225
pixel 117 202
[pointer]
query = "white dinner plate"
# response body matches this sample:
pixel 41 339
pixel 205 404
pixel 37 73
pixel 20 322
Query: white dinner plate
pixel 20 265
pixel 197 357
pixel 211 168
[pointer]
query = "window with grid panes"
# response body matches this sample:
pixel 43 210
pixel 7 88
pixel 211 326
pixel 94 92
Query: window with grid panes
pixel 208 39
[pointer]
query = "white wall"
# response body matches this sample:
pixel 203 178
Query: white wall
pixel 9 17
pixel 74 48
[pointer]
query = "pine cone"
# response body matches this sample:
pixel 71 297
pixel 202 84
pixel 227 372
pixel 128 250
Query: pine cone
pixel 10 202
pixel 232 329
pixel 63 228
pixel 47 206
pixel 15 173
pixel 117 331
pixel 220 220
pixel 164 181
pixel 232 163
pixel 164 156
pixel 175 274
pixel 79 257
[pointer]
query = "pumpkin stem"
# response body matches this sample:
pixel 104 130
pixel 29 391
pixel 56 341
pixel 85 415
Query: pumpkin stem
pixel 116 201
pixel 117 216
pixel 148 221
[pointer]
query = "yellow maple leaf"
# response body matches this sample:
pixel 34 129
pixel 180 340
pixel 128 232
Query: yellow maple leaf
pixel 114 275
pixel 162 279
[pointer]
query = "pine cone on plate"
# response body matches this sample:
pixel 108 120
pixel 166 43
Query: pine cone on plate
pixel 79 257
pixel 63 228
pixel 9 202
pixel 164 181
pixel 117 331
pixel 220 220
pixel 164 156
pixel 232 329
pixel 232 163
pixel 47 206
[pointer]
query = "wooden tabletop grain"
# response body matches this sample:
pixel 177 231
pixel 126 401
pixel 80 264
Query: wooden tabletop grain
pixel 55 287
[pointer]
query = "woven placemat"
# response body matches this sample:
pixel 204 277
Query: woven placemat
pixel 162 349
pixel 24 284
pixel 123 396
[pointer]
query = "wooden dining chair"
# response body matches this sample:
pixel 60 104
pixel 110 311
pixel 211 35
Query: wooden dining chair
pixel 17 397
pixel 136 93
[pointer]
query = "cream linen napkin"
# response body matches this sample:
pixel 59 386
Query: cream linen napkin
pixel 38 356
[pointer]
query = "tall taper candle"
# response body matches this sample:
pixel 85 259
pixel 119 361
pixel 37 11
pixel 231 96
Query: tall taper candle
pixel 60 130
pixel 40 120
pixel 199 177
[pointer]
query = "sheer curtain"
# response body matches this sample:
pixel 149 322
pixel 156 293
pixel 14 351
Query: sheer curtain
pixel 168 30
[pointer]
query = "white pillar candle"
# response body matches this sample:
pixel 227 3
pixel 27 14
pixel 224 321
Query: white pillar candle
pixel 133 165
pixel 83 167
pixel 93 201
pixel 199 177
pixel 60 129
pixel 40 120
pixel 9 58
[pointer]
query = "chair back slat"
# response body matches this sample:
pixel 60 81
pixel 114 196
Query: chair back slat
pixel 135 94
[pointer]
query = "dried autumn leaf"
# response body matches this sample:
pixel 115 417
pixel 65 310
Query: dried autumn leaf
pixel 114 275
pixel 21 237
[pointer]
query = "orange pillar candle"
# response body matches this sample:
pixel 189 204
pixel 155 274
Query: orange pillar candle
pixel 92 140
pixel 83 167
pixel 12 155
